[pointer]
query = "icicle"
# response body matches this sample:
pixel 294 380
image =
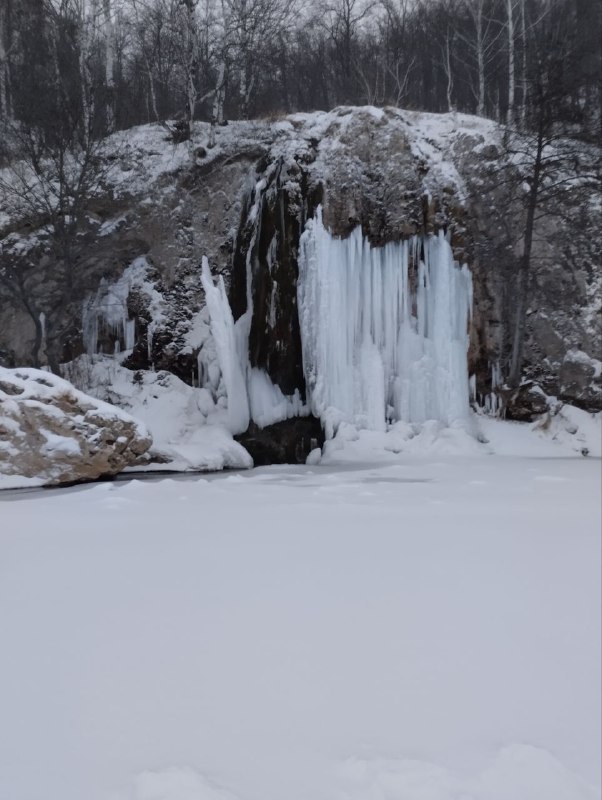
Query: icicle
pixel 130 334
pixel 384 330
pixel 107 311
pixel 224 335
pixel 492 403
pixel 42 318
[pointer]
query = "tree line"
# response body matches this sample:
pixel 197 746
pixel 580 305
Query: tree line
pixel 94 66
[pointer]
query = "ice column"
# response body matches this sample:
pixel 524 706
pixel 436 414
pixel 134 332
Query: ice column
pixel 384 330
pixel 107 310
pixel 233 370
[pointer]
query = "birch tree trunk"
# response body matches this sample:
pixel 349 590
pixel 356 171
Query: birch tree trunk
pixel 85 75
pixel 448 71
pixel 511 75
pixel 109 33
pixel 480 57
pixel 523 97
pixel 191 62
pixel 5 108
pixel 217 114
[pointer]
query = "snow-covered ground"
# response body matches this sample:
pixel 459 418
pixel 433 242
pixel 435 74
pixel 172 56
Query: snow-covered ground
pixel 424 629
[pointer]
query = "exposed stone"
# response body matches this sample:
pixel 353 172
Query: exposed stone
pixel 581 380
pixel 526 403
pixel 287 442
pixel 49 430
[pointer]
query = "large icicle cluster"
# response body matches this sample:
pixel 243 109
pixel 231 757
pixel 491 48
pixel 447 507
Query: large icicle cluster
pixel 107 310
pixel 251 394
pixel 384 330
pixel 228 354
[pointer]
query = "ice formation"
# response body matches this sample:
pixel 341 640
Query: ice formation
pixel 229 355
pixel 492 403
pixel 384 330
pixel 250 391
pixel 384 333
pixel 107 310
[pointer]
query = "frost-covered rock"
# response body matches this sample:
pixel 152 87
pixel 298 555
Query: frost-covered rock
pixel 52 432
pixel 524 403
pixel 189 430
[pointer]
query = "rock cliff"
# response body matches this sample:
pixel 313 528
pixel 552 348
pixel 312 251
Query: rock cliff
pixel 245 203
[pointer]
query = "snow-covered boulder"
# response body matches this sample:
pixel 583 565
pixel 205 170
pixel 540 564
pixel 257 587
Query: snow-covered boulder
pixel 52 432
pixel 189 430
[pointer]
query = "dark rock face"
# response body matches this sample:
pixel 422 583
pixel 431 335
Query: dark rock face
pixel 286 442
pixel 272 222
pixel 580 379
pixel 526 403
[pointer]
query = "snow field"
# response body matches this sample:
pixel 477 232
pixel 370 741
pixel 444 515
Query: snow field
pixel 420 630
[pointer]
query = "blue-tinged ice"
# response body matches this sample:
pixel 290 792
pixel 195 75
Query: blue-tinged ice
pixel 384 330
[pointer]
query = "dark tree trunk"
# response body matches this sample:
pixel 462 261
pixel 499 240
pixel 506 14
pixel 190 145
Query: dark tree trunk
pixel 522 287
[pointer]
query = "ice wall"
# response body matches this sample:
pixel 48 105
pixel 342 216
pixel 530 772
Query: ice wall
pixel 384 330
pixel 250 391
pixel 231 360
pixel 105 312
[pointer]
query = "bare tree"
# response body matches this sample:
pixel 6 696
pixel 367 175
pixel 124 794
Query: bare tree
pixel 343 20
pixel 191 64
pixel 248 28
pixel 544 155
pixel 481 42
pixel 7 46
pixel 53 177
pixel 110 47
pixel 510 4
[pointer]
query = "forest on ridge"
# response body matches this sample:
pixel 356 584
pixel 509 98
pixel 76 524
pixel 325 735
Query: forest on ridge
pixel 79 68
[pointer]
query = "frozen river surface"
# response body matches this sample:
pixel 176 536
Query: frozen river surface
pixel 426 630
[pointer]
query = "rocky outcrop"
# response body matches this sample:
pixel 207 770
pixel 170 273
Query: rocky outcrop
pixel 581 378
pixel 397 174
pixel 50 431
pixel 245 204
pixel 525 403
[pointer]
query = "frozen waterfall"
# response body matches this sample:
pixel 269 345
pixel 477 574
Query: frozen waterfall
pixel 384 330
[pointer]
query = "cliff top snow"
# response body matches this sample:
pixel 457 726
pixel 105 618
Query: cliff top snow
pixel 142 157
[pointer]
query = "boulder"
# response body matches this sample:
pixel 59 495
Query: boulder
pixel 525 403
pixel 51 431
pixel 581 380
